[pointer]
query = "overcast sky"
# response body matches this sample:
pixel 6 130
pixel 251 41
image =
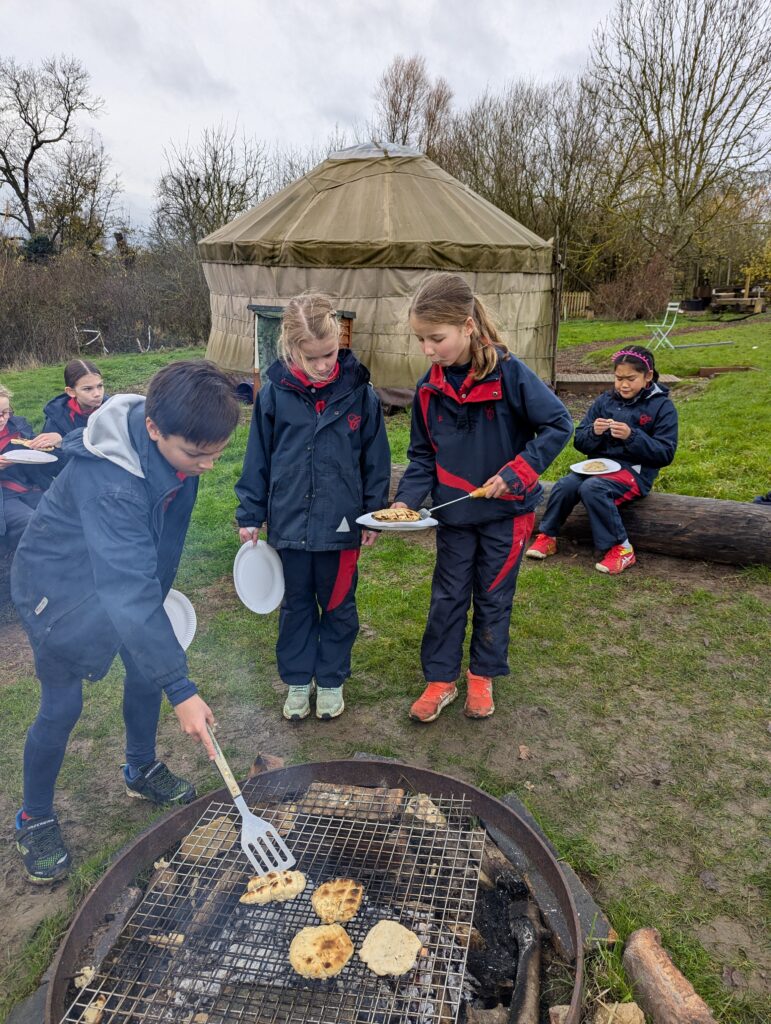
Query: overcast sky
pixel 287 70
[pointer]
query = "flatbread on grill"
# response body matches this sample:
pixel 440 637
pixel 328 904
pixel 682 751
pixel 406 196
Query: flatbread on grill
pixel 275 887
pixel 209 840
pixel 27 443
pixel 396 515
pixel 320 952
pixel 390 948
pixel 337 900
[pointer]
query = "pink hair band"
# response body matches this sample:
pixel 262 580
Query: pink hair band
pixel 635 355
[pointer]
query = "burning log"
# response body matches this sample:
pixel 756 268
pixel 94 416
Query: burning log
pixel 662 991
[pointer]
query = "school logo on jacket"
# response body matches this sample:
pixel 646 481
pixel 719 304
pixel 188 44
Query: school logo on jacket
pixel 645 419
pixel 354 421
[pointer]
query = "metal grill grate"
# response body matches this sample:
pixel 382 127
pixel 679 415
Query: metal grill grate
pixel 192 954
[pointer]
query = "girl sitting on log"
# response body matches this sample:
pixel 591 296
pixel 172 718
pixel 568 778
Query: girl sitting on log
pixel 635 424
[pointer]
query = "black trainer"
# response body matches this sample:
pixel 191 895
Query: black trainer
pixel 40 843
pixel 157 784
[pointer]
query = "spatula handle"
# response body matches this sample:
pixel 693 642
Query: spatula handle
pixel 224 768
pixel 480 492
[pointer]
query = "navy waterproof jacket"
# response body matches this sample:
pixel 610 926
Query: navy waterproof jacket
pixel 101 551
pixel 508 423
pixel 653 442
pixel 23 480
pixel 310 471
pixel 60 418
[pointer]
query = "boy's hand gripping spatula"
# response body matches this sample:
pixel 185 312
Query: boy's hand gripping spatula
pixel 260 841
pixel 480 492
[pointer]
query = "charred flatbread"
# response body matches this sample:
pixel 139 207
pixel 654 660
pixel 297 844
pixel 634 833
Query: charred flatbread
pixel 390 948
pixel 27 443
pixel 275 887
pixel 396 515
pixel 337 900
pixel 320 952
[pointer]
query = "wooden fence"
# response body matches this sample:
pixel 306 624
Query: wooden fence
pixel 575 304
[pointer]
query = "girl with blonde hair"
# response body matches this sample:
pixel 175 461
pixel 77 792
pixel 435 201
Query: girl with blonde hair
pixel 480 419
pixel 317 458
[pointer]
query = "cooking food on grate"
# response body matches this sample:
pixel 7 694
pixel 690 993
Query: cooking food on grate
pixel 275 887
pixel 169 939
pixel 28 444
pixel 84 976
pixel 320 952
pixel 423 809
pixel 210 839
pixel 337 900
pixel 95 1012
pixel 390 948
pixel 595 466
pixel 396 515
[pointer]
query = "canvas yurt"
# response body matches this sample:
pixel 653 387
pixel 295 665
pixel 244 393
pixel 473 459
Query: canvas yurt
pixel 366 226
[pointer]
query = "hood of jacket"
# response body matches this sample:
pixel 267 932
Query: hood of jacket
pixel 111 434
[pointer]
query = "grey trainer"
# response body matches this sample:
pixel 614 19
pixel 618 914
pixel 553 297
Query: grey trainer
pixel 329 702
pixel 296 705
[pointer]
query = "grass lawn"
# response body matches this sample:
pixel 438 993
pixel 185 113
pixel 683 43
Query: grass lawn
pixel 643 700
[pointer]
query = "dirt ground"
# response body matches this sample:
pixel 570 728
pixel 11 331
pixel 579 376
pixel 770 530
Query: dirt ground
pixel 557 768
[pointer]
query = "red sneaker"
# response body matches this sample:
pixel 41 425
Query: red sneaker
pixel 479 696
pixel 432 701
pixel 542 547
pixel 616 560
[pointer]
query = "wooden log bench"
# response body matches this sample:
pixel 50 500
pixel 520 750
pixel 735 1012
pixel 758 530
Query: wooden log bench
pixel 705 529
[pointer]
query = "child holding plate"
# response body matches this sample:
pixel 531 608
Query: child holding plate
pixel 316 460
pixel 21 483
pixel 480 418
pixel 634 425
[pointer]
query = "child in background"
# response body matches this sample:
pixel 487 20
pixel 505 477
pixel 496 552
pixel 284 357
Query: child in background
pixel 21 485
pixel 635 424
pixel 83 395
pixel 317 458
pixel 90 577
pixel 480 418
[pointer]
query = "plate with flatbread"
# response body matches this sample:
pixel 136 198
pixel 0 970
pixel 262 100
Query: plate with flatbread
pixel 395 519
pixel 27 455
pixel 596 466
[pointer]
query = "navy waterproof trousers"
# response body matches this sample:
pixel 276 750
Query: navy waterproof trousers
pixel 318 622
pixel 481 563
pixel 601 496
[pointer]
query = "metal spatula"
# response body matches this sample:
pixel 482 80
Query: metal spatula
pixel 480 492
pixel 260 841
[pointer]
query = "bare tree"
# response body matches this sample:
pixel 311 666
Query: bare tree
pixel 74 193
pixel 207 185
pixel 689 82
pixel 37 111
pixel 410 110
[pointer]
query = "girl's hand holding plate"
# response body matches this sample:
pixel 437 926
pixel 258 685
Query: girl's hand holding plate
pixel 251 533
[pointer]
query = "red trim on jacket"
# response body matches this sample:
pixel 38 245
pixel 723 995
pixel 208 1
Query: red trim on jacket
pixel 346 567
pixel 75 409
pixel 11 485
pixel 624 476
pixel 6 437
pixel 523 527
pixel 309 382
pixel 449 479
pixel 470 391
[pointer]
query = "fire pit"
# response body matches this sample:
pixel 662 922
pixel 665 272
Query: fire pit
pixel 191 952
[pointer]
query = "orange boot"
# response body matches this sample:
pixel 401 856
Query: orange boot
pixel 434 698
pixel 479 696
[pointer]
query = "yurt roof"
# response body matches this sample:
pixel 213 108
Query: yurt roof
pixel 379 206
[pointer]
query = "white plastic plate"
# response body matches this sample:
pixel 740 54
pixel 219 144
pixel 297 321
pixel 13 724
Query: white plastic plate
pixel 182 617
pixel 609 466
pixel 258 577
pixel 27 455
pixel 375 524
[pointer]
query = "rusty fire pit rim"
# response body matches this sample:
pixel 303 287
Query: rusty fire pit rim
pixel 153 841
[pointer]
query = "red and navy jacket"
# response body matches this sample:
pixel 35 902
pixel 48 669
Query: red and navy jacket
pixel 653 442
pixel 63 414
pixel 508 423
pixel 21 480
pixel 317 458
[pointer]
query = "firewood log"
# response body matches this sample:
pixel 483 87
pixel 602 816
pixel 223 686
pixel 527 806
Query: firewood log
pixel 661 990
